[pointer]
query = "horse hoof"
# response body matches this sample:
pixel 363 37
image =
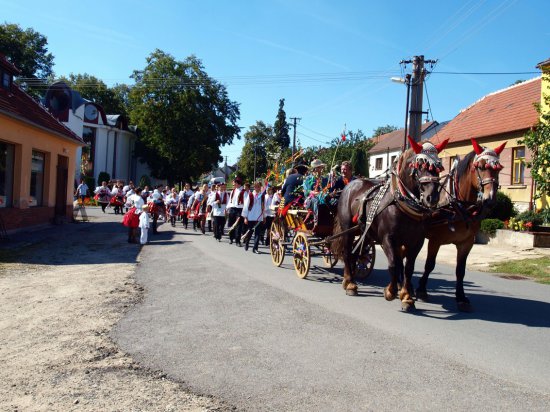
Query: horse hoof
pixel 388 295
pixel 408 306
pixel 464 307
pixel 351 292
pixel 422 295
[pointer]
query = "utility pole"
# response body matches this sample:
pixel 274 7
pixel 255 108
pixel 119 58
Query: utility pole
pixel 417 95
pixel 294 138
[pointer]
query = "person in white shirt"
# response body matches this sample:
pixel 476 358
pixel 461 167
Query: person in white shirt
pixel 235 207
pixel 270 208
pixel 184 196
pixel 103 195
pixel 171 202
pixel 81 191
pixel 253 214
pixel 219 205
pixel 144 224
pixel 211 198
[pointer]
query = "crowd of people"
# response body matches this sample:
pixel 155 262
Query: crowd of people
pixel 243 214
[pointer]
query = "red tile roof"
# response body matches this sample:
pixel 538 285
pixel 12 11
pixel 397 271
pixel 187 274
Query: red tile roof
pixel 18 104
pixel 501 112
pixel 394 140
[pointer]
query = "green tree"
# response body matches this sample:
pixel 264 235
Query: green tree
pixel 254 153
pixel 184 117
pixel 28 50
pixel 94 89
pixel 537 140
pixel 383 130
pixel 281 138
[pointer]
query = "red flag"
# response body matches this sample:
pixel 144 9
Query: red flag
pixel 343 137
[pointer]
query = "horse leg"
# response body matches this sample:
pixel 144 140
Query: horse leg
pixel 463 250
pixel 348 284
pixel 433 249
pixel 406 293
pixel 395 268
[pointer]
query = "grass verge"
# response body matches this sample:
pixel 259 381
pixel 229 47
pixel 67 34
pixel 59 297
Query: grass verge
pixel 537 269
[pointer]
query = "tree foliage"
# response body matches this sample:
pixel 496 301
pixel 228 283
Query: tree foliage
pixel 354 148
pixel 379 131
pixel 184 116
pixel 256 139
pixel 281 138
pixel 91 88
pixel 28 50
pixel 537 140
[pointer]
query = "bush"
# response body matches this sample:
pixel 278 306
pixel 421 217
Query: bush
pixel 504 208
pixel 144 181
pixel 545 214
pixel 490 226
pixel 90 182
pixel 103 177
pixel 529 216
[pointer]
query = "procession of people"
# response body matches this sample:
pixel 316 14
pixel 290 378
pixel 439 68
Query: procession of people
pixel 243 215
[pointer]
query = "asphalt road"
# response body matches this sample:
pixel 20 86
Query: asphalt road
pixel 230 324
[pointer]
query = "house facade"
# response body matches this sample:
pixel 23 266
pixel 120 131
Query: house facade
pixel 388 146
pixel 503 116
pixel 110 140
pixel 38 155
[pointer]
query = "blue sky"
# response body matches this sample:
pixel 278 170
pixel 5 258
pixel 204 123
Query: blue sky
pixel 331 60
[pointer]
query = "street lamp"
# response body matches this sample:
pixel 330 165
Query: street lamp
pixel 407 82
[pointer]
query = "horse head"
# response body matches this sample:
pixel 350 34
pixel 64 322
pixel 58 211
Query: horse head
pixel 425 168
pixel 486 165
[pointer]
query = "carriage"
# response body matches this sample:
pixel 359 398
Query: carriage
pixel 293 228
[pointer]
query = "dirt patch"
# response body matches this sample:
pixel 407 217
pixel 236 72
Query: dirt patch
pixel 60 297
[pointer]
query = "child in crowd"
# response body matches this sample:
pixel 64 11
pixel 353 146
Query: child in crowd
pixel 144 224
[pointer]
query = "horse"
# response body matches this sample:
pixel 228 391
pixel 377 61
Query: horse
pixel 470 195
pixel 397 222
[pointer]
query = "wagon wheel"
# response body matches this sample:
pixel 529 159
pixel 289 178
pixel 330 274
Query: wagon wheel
pixel 301 254
pixel 329 259
pixel 365 262
pixel 276 242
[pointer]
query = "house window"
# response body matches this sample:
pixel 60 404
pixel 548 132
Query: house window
pixel 37 178
pixel 393 160
pixel 6 173
pixel 378 164
pixel 6 80
pixel 518 169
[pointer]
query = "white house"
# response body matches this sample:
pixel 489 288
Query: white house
pixel 387 148
pixel 111 141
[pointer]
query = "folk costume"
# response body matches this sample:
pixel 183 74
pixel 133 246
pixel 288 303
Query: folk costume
pixel 172 205
pixel 117 201
pixel 254 217
pixel 219 205
pixel 235 205
pixel 156 207
pixel 184 197
pixel 269 213
pixel 198 210
pixel 103 196
pixel 144 226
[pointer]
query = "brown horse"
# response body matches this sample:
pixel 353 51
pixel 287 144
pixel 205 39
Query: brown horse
pixel 471 194
pixel 399 219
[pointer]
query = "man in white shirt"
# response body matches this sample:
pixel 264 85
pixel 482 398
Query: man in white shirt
pixel 219 204
pixel 235 207
pixel 254 215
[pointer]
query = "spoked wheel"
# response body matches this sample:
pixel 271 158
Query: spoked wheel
pixel 329 259
pixel 301 254
pixel 276 242
pixel 365 262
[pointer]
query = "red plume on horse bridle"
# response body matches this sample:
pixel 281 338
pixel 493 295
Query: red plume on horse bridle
pixel 499 149
pixel 477 148
pixel 441 145
pixel 415 146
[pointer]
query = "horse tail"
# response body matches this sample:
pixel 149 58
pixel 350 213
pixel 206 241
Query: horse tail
pixel 337 245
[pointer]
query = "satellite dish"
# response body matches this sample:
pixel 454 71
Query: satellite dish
pixel 90 112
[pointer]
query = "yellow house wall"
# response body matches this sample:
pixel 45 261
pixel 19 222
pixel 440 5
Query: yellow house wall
pixel 544 202
pixel 27 138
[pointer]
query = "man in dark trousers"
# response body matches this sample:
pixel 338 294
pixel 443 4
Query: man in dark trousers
pixel 293 182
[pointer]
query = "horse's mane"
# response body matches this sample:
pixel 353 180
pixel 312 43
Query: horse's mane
pixel 403 167
pixel 464 164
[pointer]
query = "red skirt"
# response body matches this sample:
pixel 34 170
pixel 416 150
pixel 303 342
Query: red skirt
pixel 131 219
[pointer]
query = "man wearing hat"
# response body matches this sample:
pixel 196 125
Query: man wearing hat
pixel 293 182
pixel 235 208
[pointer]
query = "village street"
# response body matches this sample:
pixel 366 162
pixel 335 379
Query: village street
pixel 208 318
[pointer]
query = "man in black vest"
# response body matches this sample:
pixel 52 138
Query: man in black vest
pixel 293 182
